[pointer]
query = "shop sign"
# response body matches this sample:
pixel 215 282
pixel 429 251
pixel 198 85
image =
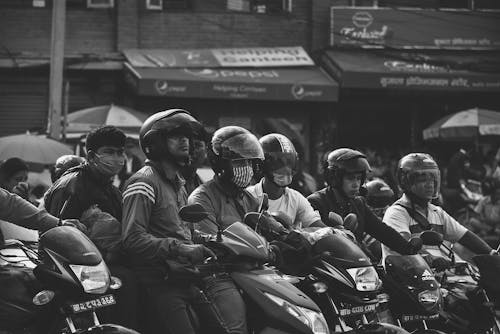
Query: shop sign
pixel 449 82
pixel 233 57
pixel 414 28
pixel 212 73
pixel 404 66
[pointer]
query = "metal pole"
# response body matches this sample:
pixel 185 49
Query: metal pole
pixel 56 68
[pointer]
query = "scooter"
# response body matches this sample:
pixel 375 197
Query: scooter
pixel 415 298
pixel 274 304
pixel 470 291
pixel 56 289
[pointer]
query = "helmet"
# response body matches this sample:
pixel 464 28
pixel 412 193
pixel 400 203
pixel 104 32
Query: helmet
pixel 65 162
pixel 155 129
pixel 279 152
pixel 379 194
pixel 342 161
pixel 233 143
pixel 415 165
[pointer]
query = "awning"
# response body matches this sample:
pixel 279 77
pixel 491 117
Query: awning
pixel 373 69
pixel 278 84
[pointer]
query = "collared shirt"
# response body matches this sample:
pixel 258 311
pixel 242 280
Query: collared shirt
pixel 292 203
pixel 151 224
pixel 223 206
pixel 399 219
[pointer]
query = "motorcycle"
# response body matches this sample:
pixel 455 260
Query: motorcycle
pixel 414 294
pixel 468 290
pixel 57 288
pixel 274 304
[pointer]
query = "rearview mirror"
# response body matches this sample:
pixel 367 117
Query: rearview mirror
pixel 193 213
pixel 431 238
pixel 264 204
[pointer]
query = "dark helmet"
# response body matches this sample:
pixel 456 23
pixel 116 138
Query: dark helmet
pixel 233 143
pixel 278 152
pixel 63 163
pixel 343 161
pixel 379 194
pixel 155 129
pixel 413 165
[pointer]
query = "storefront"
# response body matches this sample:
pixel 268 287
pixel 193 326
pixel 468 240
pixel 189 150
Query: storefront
pixel 262 89
pixel 400 70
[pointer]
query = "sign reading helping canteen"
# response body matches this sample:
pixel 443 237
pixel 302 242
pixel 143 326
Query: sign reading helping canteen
pixel 414 28
pixel 233 57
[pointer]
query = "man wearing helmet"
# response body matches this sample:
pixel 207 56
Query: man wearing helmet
pixel 280 164
pixel 419 177
pixel 345 171
pixel 153 234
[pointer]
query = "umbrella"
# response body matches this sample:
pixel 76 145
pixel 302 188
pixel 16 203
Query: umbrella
pixel 32 148
pixel 82 121
pixel 465 125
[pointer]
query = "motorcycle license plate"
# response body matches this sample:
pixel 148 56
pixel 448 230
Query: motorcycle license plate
pixel 92 304
pixel 361 309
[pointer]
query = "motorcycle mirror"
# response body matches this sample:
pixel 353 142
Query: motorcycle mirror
pixel 252 219
pixel 431 238
pixel 264 204
pixel 193 213
pixel 351 222
pixel 335 219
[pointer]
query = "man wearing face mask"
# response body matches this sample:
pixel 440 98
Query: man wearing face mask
pixel 234 155
pixel 281 160
pixel 89 187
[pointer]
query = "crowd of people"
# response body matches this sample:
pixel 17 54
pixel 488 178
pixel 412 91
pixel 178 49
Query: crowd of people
pixel 137 227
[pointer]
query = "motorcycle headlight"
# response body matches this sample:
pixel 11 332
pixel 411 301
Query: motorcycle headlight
pixel 314 320
pixel 366 278
pixel 94 279
pixel 429 298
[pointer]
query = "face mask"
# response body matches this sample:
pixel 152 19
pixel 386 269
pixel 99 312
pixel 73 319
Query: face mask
pixel 242 176
pixel 282 180
pixel 108 165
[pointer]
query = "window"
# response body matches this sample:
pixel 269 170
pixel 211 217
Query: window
pixel 154 4
pixel 260 6
pixel 100 3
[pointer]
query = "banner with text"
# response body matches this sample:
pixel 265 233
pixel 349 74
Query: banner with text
pixel 414 28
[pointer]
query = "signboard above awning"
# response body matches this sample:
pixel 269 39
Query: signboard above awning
pixel 414 28
pixel 209 58
pixel 278 84
pixel 410 71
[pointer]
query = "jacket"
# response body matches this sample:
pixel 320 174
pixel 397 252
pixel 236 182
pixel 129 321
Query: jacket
pixel 151 227
pixel 79 189
pixel 329 200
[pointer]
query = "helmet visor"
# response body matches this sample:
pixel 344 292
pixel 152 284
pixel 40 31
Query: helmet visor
pixel 242 146
pixel 279 160
pixel 425 183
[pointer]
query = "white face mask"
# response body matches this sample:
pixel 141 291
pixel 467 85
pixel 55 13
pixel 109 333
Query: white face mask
pixel 242 176
pixel 282 180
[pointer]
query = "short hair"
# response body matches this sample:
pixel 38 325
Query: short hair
pixel 105 136
pixel 11 166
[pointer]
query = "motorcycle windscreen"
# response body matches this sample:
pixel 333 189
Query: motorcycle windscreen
pixel 342 250
pixel 410 270
pixel 243 241
pixel 72 244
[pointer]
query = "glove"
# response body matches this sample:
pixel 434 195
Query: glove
pixel 441 263
pixel 76 224
pixel 414 245
pixel 194 254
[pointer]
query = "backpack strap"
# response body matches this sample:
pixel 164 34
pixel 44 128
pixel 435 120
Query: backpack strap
pixel 418 217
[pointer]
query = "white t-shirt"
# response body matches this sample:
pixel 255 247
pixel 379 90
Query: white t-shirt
pixel 292 203
pixel 399 219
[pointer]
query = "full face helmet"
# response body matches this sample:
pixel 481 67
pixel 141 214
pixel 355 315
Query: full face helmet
pixel 235 152
pixel 343 161
pixel 281 159
pixel 378 196
pixel 418 174
pixel 155 130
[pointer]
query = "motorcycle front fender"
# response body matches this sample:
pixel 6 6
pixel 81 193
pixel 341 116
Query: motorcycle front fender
pixel 109 329
pixel 380 328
